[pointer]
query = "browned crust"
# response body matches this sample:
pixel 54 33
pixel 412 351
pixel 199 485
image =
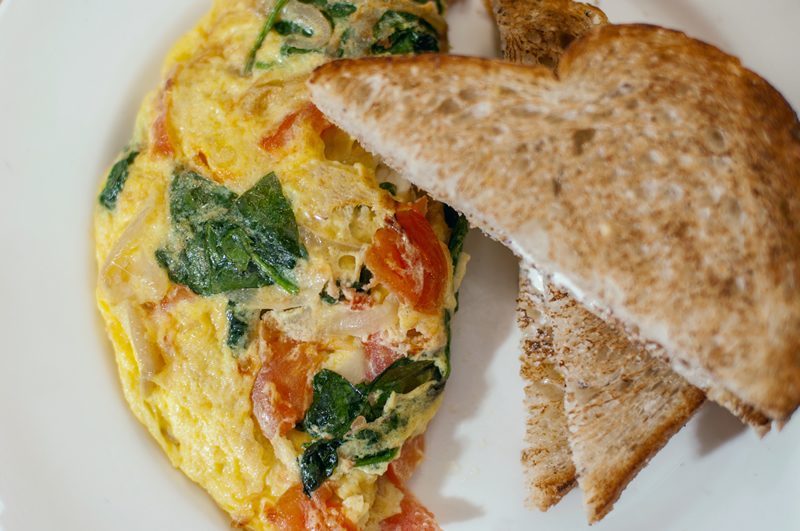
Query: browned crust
pixel 546 458
pixel 538 31
pixel 622 403
pixel 659 175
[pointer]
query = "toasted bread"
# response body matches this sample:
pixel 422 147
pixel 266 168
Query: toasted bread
pixel 622 404
pixel 546 458
pixel 654 177
pixel 538 31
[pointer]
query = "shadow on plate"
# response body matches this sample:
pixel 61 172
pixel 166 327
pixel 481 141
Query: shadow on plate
pixel 486 316
pixel 715 427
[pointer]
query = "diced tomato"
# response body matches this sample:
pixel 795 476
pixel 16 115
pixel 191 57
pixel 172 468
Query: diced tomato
pixel 379 355
pixel 411 455
pixel 413 516
pixel 295 512
pixel 283 389
pixel 409 260
pixel 308 114
pixel 159 131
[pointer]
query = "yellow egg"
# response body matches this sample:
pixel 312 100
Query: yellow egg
pixel 253 271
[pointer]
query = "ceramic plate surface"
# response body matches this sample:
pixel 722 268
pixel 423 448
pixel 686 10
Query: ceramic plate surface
pixel 72 456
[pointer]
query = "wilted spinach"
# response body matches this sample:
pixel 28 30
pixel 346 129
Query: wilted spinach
pixel 240 322
pixel 288 27
pixel 220 242
pixel 459 226
pixel 317 463
pixel 337 403
pixel 400 32
pixel 115 181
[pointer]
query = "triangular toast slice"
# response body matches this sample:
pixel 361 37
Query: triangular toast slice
pixel 654 178
pixel 622 404
pixel 539 32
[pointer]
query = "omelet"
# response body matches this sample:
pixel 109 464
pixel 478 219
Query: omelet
pixel 278 299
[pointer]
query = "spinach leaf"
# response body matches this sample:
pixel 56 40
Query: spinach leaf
pixel 459 227
pixel 399 32
pixel 315 3
pixel 219 242
pixel 267 218
pixel 268 23
pixel 317 463
pixel 193 200
pixel 327 298
pixel 294 50
pixel 439 5
pixel 341 10
pixel 380 457
pixel 240 321
pixel 401 377
pixel 335 405
pixel 364 278
pixel 115 181
pixel 288 27
pixel 389 187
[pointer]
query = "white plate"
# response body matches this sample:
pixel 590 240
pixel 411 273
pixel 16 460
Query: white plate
pixel 72 75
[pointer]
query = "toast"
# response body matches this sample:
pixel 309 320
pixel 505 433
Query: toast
pixel 538 31
pixel 653 178
pixel 547 457
pixel 589 440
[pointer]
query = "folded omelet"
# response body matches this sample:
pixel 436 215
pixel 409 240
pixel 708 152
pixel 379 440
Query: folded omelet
pixel 279 300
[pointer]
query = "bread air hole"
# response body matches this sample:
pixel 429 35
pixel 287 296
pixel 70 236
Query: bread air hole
pixel 580 138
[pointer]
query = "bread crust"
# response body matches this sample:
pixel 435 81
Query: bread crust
pixel 538 31
pixel 547 458
pixel 623 404
pixel 654 171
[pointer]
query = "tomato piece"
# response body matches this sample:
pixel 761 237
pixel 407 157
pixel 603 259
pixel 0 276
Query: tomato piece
pixel 282 392
pixel 413 516
pixel 295 512
pixel 159 131
pixel 411 455
pixel 308 114
pixel 379 355
pixel 409 260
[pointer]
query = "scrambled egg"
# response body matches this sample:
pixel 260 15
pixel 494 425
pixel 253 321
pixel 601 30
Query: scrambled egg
pixel 345 285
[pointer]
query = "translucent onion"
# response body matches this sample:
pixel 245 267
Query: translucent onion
pixel 343 321
pixel 308 17
pixel 148 356
pixel 130 272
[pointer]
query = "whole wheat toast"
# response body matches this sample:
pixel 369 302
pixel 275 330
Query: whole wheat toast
pixel 610 437
pixel 654 176
pixel 538 31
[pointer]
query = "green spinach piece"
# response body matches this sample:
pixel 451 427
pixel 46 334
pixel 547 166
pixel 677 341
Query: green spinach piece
pixel 219 242
pixel 380 457
pixel 335 405
pixel 399 32
pixel 288 27
pixel 268 23
pixel 341 10
pixel 401 377
pixel 459 227
pixel 439 5
pixel 364 278
pixel 316 3
pixel 317 463
pixel 115 181
pixel 327 298
pixel 389 187
pixel 240 321
pixel 294 50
